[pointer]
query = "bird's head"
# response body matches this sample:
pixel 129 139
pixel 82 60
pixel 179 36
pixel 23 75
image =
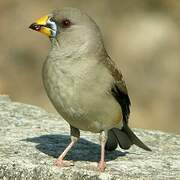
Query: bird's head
pixel 71 28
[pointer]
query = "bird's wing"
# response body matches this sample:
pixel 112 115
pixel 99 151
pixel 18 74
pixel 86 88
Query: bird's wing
pixel 124 136
pixel 119 89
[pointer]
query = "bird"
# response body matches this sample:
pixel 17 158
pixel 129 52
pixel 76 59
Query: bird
pixel 84 84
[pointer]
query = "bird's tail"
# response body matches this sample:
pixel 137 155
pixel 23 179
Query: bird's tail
pixel 125 138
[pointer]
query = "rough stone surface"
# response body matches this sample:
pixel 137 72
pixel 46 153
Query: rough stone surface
pixel 31 139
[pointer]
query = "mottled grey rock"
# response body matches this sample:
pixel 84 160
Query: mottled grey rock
pixel 31 139
pixel 4 98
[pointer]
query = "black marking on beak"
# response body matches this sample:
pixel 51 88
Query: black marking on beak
pixel 35 27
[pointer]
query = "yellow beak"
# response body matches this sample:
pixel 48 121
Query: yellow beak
pixel 40 25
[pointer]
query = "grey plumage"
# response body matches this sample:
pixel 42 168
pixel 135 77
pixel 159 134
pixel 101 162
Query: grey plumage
pixel 83 83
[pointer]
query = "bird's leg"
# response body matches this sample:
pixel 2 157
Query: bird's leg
pixel 103 138
pixel 75 134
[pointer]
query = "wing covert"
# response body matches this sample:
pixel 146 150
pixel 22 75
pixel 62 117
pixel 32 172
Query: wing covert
pixel 119 89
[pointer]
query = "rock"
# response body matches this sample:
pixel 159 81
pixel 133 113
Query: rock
pixel 4 98
pixel 31 139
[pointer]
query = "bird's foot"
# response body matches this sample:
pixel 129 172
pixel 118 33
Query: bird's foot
pixel 101 166
pixel 63 163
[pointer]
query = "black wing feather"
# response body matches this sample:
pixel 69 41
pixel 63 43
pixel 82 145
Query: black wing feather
pixel 124 136
pixel 123 100
pixel 119 90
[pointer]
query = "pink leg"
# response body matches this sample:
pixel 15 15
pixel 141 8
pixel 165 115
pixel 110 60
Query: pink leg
pixel 74 138
pixel 103 139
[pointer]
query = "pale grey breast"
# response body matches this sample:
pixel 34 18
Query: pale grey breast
pixel 80 91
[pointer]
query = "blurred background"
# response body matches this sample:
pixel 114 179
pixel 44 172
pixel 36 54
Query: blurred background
pixel 143 37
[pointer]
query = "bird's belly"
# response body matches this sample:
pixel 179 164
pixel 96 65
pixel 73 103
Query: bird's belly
pixel 85 106
pixel 85 110
pixel 97 119
pixel 93 116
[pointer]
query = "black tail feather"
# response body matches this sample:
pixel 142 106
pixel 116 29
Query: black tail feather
pixel 112 142
pixel 135 140
pixel 122 138
pixel 125 138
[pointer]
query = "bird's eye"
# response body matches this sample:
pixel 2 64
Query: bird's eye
pixel 66 23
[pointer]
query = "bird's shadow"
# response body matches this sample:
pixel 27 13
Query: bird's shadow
pixel 84 150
